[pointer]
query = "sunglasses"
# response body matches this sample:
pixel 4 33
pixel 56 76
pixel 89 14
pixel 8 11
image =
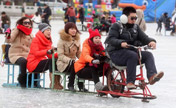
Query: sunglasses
pixel 25 23
pixel 133 18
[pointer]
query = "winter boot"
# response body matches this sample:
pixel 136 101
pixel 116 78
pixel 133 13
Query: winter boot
pixel 59 79
pixel 57 84
pixel 99 86
pixel 82 87
pixel 172 34
pixel 156 77
pixel 22 80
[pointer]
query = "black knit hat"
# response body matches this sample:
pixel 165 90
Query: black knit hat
pixel 43 26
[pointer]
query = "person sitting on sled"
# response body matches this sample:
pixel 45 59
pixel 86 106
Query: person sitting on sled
pixel 89 66
pixel 20 40
pixel 69 49
pixel 41 50
pixel 120 36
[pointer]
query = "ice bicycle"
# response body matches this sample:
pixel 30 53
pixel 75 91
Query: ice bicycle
pixel 116 80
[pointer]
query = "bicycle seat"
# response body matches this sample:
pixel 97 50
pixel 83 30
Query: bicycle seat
pixel 120 68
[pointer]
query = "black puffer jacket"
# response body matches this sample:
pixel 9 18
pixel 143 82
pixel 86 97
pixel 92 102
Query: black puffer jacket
pixel 131 34
pixel 48 12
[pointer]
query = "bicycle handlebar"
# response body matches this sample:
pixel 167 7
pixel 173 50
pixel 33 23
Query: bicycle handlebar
pixel 145 47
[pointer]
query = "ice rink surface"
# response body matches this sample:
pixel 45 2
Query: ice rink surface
pixel 165 58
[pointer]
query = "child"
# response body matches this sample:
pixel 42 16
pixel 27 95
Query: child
pixel 88 65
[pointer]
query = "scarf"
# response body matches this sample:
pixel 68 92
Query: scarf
pixel 95 49
pixel 24 29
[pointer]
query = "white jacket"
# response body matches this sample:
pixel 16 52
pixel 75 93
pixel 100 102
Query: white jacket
pixel 174 19
pixel 37 19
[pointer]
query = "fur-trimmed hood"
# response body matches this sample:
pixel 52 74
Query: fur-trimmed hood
pixel 67 37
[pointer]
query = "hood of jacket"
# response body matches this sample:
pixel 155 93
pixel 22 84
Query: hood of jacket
pixel 140 13
pixel 67 37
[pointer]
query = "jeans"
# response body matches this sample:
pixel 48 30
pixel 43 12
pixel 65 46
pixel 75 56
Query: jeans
pixel 6 26
pixel 72 19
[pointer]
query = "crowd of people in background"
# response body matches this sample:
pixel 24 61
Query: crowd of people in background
pixel 169 23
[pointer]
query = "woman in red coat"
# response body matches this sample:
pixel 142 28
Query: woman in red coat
pixel 39 58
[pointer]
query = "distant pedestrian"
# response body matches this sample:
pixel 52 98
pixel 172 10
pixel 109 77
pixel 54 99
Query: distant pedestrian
pixel 81 15
pixel 140 20
pixel 65 13
pixel 46 14
pixel 36 18
pixel 23 11
pixel 159 22
pixel 113 19
pixel 71 14
pixel 5 21
pixel 174 24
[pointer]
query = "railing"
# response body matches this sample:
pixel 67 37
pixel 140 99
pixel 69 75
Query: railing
pixel 11 9
pixel 17 9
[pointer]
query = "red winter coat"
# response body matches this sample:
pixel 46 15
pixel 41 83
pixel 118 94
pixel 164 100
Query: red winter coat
pixel 71 12
pixel 38 51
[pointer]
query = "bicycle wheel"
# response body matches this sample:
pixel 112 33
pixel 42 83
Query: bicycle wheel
pixel 114 81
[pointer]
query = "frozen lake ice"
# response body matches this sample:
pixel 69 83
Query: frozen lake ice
pixel 165 57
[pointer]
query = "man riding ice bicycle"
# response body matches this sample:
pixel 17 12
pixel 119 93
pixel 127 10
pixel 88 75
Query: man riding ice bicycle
pixel 126 33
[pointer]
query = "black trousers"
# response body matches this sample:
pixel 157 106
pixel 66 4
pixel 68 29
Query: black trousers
pixel 22 62
pixel 159 26
pixel 44 65
pixel 22 76
pixel 91 72
pixel 46 20
pixel 129 58
pixel 71 70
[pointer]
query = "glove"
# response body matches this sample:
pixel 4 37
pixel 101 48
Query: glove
pixel 50 51
pixel 95 61
pixel 8 33
pixel 96 56
pixel 99 57
pixel 7 36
